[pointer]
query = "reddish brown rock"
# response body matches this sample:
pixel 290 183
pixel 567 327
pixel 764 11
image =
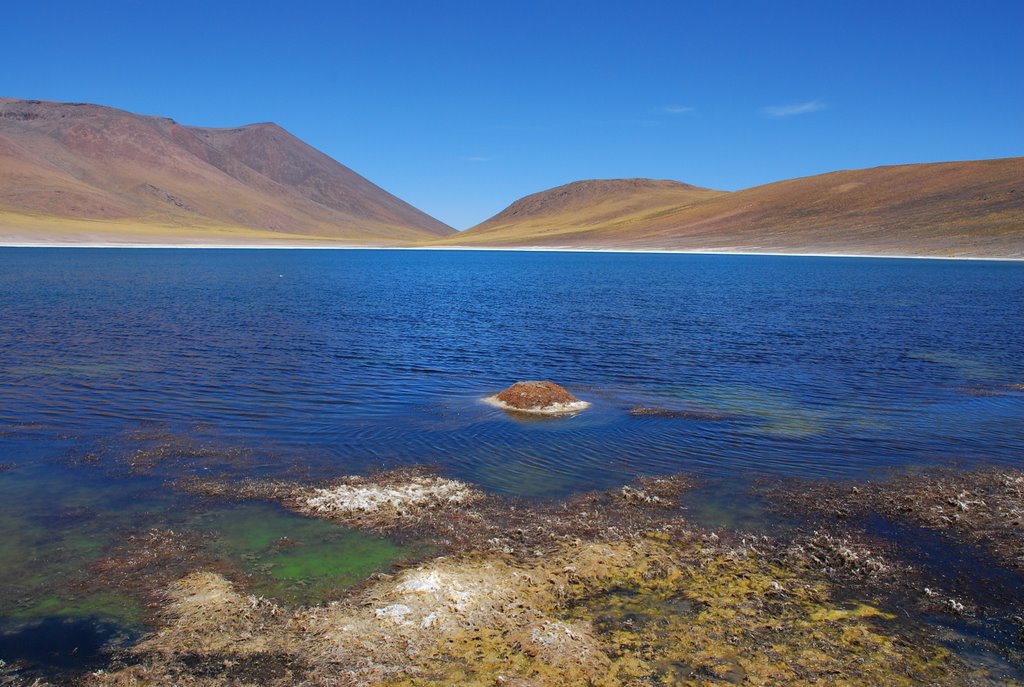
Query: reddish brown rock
pixel 538 397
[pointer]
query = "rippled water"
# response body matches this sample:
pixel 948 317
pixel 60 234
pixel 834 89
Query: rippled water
pixel 353 359
pixel 334 362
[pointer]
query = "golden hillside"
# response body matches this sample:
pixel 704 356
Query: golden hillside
pixel 963 209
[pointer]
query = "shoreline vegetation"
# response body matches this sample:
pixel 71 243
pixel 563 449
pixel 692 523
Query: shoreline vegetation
pixel 610 588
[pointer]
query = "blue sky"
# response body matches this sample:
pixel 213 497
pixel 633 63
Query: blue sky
pixel 462 107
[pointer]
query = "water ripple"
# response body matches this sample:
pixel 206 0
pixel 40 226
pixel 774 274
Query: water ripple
pixel 820 367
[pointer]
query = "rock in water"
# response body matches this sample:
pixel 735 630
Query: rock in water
pixel 705 415
pixel 545 398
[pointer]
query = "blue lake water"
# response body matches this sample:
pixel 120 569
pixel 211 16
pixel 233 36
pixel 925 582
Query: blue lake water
pixel 349 360
pixel 322 363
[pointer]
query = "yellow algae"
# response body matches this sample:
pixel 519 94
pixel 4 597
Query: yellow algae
pixel 753 623
pixel 646 610
pixel 857 611
pixel 205 614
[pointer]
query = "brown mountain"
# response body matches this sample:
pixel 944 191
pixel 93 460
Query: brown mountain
pixel 966 209
pixel 78 172
pixel 586 206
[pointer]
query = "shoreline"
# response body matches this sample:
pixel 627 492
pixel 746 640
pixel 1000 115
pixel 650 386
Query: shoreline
pixel 531 249
pixel 565 590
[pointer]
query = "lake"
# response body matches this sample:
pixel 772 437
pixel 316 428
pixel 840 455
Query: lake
pixel 123 368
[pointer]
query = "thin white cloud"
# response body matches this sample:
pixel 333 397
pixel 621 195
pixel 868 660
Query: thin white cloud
pixel 678 109
pixel 782 111
pixel 476 158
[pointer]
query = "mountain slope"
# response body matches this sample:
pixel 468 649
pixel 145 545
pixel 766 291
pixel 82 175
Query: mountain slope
pixel 68 166
pixel 954 209
pixel 588 205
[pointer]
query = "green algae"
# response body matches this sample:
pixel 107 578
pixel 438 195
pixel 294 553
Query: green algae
pixel 111 606
pixel 82 546
pixel 49 542
pixel 292 558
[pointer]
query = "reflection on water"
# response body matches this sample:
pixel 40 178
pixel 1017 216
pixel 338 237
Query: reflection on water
pixel 360 360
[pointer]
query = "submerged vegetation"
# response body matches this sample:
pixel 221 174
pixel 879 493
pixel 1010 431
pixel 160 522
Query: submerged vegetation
pixel 982 507
pixel 661 609
pixel 407 577
pixel 607 588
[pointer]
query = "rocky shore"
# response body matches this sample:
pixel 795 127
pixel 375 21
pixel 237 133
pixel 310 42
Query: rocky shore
pixel 610 588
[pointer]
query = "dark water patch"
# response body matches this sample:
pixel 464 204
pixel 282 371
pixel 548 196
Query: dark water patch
pixel 62 644
pixel 980 599
pixel 982 616
pixel 967 573
pixel 957 583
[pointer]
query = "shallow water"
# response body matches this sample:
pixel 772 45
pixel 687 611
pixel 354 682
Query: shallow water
pixel 317 363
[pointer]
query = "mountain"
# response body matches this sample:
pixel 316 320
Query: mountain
pixel 965 209
pixel 78 172
pixel 585 206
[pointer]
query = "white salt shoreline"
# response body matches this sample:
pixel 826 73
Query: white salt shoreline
pixel 530 249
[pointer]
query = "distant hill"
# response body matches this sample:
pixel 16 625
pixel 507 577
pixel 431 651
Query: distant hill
pixel 584 206
pixel 77 172
pixel 969 209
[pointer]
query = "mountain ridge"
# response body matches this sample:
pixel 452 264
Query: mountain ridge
pixel 965 208
pixel 83 162
pixel 79 173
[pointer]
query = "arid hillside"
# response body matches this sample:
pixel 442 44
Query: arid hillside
pixel 963 209
pixel 78 173
pixel 585 206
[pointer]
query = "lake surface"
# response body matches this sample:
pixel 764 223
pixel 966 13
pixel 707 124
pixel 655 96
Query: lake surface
pixel 321 363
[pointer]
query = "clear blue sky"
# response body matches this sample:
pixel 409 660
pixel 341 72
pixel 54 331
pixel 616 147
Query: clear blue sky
pixel 462 107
